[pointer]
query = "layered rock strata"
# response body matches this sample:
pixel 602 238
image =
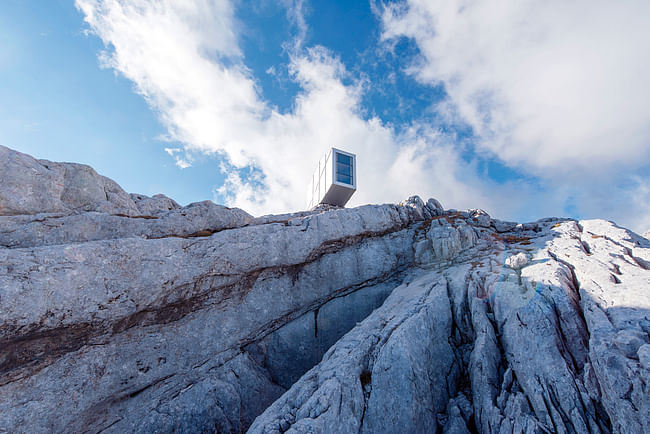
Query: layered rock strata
pixel 125 313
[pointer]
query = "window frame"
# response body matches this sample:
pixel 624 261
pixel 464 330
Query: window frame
pixel 352 169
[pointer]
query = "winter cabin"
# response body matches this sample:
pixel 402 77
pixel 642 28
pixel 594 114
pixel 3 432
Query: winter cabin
pixel 335 179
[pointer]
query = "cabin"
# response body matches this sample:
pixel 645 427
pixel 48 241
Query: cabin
pixel 335 179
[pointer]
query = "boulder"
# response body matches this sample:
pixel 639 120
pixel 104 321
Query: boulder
pixel 31 186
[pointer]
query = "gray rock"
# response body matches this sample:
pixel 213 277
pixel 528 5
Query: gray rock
pixel 310 336
pixel 84 309
pixel 480 218
pixel 45 203
pixel 201 219
pixel 529 326
pixel 126 313
pixel 416 208
pixel 434 207
pixel 157 204
pixel 31 186
pixel 501 226
pixel 628 343
pixel 518 261
pixel 458 412
pixel 372 380
pixel 644 356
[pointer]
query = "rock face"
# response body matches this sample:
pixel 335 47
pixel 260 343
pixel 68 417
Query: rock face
pixel 31 186
pixel 123 313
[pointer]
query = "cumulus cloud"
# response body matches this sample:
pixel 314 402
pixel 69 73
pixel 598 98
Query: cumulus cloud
pixel 183 57
pixel 559 89
pixel 549 85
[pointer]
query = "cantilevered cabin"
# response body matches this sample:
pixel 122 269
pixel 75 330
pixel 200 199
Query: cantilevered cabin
pixel 335 179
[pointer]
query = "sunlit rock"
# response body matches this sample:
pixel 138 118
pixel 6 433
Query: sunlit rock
pixel 123 313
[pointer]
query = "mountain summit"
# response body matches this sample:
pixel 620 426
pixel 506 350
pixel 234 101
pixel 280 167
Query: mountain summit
pixel 126 313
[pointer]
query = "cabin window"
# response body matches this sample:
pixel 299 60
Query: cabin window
pixel 344 168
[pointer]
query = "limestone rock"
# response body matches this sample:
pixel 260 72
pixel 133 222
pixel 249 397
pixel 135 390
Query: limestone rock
pixel 480 218
pixel 45 203
pixel 123 313
pixel 644 356
pixel 375 379
pixel 501 226
pixel 31 186
pixel 535 345
pixel 518 261
pixel 157 204
pixel 201 219
pixel 416 207
pixel 434 207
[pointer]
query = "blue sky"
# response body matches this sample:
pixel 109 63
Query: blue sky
pixel 522 109
pixel 57 104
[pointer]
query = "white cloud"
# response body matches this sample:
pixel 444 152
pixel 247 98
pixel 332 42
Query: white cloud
pixel 554 85
pixel 184 58
pixel 181 162
pixel 191 72
pixel 560 89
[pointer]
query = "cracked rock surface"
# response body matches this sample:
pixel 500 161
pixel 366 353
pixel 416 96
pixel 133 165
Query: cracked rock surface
pixel 124 313
pixel 543 329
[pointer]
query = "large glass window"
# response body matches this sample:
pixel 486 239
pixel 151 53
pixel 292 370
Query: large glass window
pixel 344 168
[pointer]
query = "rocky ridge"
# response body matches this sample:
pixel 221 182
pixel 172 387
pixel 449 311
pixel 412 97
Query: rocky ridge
pixel 122 313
